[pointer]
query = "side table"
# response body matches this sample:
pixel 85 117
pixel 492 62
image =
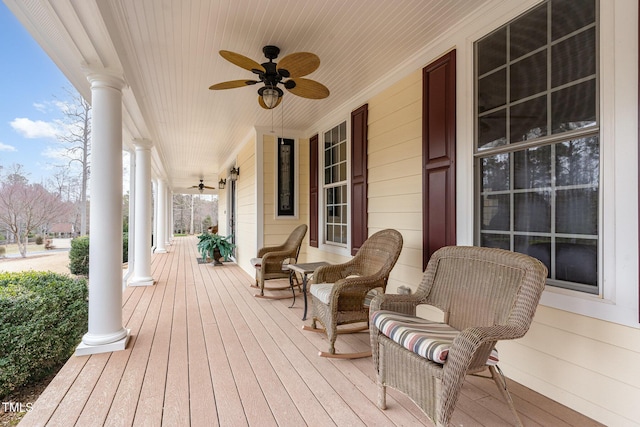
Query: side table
pixel 305 269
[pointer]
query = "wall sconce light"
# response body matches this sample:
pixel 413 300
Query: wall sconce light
pixel 222 183
pixel 235 173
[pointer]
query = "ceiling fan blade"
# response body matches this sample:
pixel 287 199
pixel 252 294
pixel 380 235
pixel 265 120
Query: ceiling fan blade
pixel 241 61
pixel 299 64
pixel 210 188
pixel 232 84
pixel 311 89
pixel 263 105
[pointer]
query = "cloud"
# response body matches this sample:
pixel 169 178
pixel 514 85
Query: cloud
pixel 5 147
pixel 34 129
pixel 42 107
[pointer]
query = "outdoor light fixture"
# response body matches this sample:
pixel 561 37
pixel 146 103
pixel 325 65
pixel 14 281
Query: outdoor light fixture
pixel 270 96
pixel 222 183
pixel 235 173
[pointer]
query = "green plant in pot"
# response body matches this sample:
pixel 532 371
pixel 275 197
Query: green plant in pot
pixel 215 246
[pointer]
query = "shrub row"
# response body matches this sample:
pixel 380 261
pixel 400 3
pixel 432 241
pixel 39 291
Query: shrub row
pixel 43 316
pixel 79 254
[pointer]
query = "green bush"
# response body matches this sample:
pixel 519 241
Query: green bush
pixel 3 250
pixel 39 240
pixel 79 254
pixel 43 316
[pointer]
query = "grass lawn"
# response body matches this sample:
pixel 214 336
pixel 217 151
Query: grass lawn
pixel 12 248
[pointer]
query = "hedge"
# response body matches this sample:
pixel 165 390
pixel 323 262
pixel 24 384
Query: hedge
pixel 79 254
pixel 43 316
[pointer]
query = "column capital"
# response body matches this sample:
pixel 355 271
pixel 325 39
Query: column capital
pixel 104 77
pixel 142 143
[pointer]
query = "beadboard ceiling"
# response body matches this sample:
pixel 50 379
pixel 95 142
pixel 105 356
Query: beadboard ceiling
pixel 167 51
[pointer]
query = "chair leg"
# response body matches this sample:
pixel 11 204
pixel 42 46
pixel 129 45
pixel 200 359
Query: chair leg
pixel 501 382
pixel 382 395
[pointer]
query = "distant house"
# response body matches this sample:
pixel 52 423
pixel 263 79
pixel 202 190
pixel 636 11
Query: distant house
pixel 62 229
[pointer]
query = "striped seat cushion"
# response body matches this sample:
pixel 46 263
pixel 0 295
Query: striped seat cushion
pixel 431 340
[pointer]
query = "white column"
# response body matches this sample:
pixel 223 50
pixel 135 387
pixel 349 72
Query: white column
pixel 169 234
pixel 162 218
pixel 106 332
pixel 142 216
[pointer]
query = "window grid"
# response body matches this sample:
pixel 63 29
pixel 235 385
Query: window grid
pixel 335 185
pixel 536 224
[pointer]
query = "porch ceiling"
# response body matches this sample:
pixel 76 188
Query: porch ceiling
pixel 168 53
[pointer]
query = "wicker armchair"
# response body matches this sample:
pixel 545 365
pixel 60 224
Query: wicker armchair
pixel 341 293
pixel 486 295
pixel 271 260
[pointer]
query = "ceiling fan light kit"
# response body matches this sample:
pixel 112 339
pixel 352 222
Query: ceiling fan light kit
pixel 292 67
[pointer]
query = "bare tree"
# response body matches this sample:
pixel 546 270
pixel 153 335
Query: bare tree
pixel 77 117
pixel 25 208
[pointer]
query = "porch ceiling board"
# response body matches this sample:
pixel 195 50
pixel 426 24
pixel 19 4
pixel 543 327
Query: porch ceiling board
pixel 204 351
pixel 168 51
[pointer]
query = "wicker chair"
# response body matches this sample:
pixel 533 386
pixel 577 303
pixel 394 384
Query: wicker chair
pixel 271 261
pixel 341 293
pixel 486 295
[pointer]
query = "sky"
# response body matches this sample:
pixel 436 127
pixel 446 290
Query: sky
pixel 31 86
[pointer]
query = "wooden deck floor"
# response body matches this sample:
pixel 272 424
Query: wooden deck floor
pixel 205 352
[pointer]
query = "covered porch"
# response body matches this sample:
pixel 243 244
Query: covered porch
pixel 204 351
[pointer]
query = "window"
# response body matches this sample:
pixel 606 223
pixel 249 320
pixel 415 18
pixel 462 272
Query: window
pixel 537 140
pixel 286 177
pixel 335 185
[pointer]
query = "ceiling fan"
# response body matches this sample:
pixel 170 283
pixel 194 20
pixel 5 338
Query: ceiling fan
pixel 292 68
pixel 201 186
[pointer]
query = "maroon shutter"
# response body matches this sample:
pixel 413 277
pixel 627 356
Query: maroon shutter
pixel 313 191
pixel 439 154
pixel 359 231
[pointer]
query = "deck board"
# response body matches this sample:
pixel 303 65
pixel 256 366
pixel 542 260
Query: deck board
pixel 205 352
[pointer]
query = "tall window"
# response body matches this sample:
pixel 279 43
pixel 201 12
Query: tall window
pixel 286 177
pixel 537 140
pixel 335 185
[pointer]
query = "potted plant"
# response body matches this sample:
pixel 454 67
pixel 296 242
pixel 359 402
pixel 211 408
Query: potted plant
pixel 214 246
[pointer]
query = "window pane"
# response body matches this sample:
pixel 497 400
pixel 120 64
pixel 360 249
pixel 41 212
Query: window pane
pixel 492 51
pixel 532 168
pixel 495 172
pixel 529 32
pixel 528 120
pixel 342 132
pixel 574 107
pixel 532 212
pixel 578 162
pixel 492 130
pixel 528 76
pixel 500 241
pixel 569 16
pixel 495 212
pixel 577 211
pixel 536 246
pixel 492 91
pixel 577 261
pixel 567 53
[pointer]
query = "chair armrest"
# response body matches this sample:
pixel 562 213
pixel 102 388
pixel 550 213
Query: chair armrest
pixel 274 259
pixel 268 249
pixel 333 272
pixel 405 304
pixel 469 341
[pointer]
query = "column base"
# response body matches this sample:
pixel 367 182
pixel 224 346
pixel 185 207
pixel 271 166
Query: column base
pixel 141 281
pixel 160 251
pixel 85 349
